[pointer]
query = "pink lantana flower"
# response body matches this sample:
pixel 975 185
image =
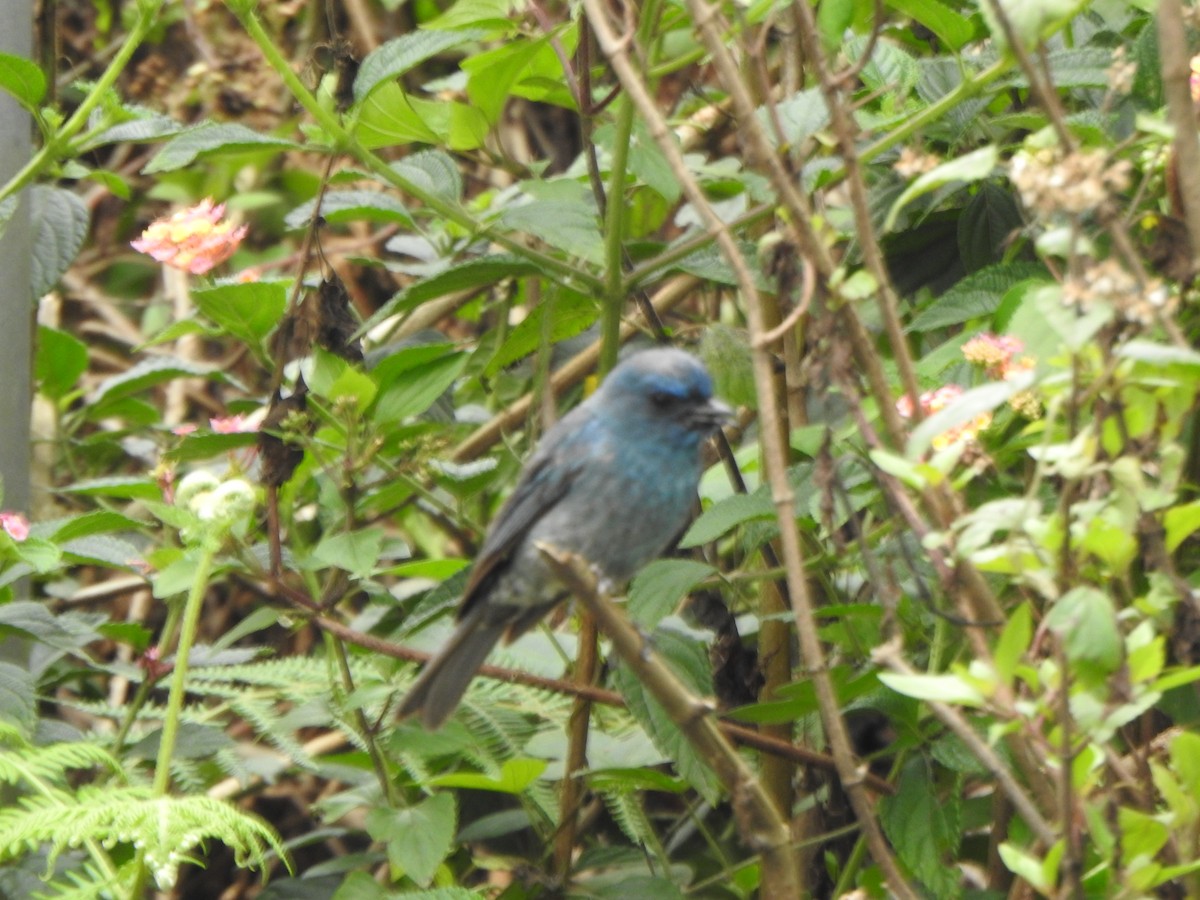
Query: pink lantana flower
pixel 235 424
pixel 935 401
pixel 15 525
pixel 193 239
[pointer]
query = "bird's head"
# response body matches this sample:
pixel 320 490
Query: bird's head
pixel 666 387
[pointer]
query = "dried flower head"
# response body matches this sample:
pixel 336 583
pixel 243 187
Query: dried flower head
pixel 1050 184
pixel 1122 71
pixel 912 162
pixel 193 239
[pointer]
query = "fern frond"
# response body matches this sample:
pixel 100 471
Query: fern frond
pixel 38 766
pixel 165 829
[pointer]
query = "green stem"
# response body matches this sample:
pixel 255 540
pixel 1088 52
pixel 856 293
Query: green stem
pixel 187 637
pixel 567 271
pixel 55 144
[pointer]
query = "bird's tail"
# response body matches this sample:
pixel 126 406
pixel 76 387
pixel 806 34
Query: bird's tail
pixel 444 680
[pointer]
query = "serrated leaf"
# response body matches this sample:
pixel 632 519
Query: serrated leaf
pixel 124 487
pixel 567 226
pixel 417 838
pixel 247 311
pixel 150 127
pixel 351 206
pixel 433 171
pixel 392 59
pixel 61 359
pixel 98 521
pixel 103 549
pixel 657 589
pixel 18 700
pixel 64 632
pixel 965 169
pixel 890 69
pixel 985 225
pixel 924 827
pixel 976 296
pixel 569 313
pixel 146 373
pixel 59 221
pixel 23 79
pixel 800 116
pixel 211 139
pixel 724 516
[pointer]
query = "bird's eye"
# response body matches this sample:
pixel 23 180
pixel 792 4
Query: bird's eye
pixel 662 398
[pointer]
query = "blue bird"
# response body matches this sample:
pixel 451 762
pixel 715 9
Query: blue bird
pixel 614 481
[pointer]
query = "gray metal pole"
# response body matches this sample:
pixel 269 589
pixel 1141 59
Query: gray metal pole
pixel 16 306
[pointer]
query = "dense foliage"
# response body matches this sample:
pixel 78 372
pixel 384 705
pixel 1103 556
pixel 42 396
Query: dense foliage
pixel 312 277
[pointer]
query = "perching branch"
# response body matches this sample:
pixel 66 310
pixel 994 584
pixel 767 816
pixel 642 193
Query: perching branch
pixel 760 825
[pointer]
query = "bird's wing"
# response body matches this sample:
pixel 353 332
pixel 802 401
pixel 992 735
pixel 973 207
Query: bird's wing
pixel 547 478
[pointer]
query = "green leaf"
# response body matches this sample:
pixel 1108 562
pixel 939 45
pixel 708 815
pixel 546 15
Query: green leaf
pixel 61 359
pixel 688 659
pixel 569 313
pixel 925 827
pixel 99 521
pixel 985 226
pixel 247 311
pixel 23 79
pixel 211 139
pixel 952 29
pixel 18 698
pixel 490 14
pixel 352 206
pixel 417 838
pixel 151 371
pixel 462 277
pixel 357 552
pixel 433 171
pixel 725 515
pixel 415 389
pixel 976 296
pixel 390 117
pixel 569 226
pixel 66 632
pixel 1013 643
pixel 391 60
pixel 515 776
pixel 940 688
pixel 122 487
pixel 971 167
pixel 800 116
pixel 209 445
pixel 1027 866
pixel 833 18
pixel 59 221
pixel 891 69
pixel 657 589
pixel 1085 620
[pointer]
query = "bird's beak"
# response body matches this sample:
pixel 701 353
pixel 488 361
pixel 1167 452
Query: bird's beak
pixel 713 414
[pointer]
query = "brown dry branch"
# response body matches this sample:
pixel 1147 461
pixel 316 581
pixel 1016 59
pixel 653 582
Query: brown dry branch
pixel 759 823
